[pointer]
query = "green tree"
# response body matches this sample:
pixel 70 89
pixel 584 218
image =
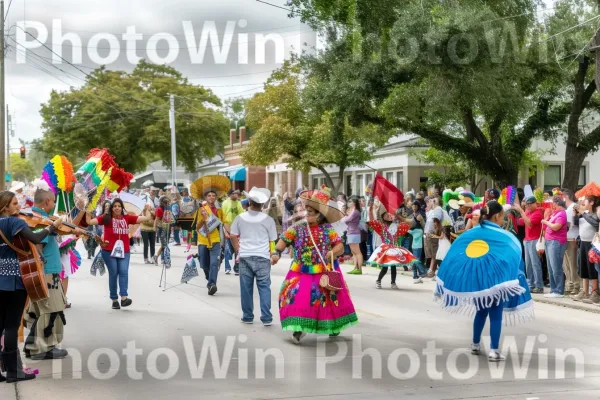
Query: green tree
pixel 21 169
pixel 288 130
pixel 463 75
pixel 575 103
pixel 129 114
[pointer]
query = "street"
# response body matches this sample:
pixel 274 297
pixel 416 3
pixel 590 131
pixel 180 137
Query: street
pixel 182 343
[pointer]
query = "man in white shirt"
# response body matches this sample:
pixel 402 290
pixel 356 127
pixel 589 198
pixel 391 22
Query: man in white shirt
pixel 572 280
pixel 252 234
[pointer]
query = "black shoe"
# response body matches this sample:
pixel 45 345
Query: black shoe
pixel 126 303
pixel 212 290
pixel 334 335
pixel 27 353
pixel 14 368
pixel 2 378
pixel 54 354
pixel 116 305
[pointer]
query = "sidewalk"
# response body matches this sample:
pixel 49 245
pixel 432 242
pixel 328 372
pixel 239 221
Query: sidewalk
pixel 564 302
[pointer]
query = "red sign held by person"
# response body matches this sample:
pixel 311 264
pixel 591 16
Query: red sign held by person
pixel 388 194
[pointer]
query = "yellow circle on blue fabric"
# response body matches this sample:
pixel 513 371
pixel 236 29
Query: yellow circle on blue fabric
pixel 477 248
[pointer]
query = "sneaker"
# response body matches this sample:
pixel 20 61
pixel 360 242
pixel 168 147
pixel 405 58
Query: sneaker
pixel 247 322
pixel 495 356
pixel 553 296
pixel 594 298
pixel 237 274
pixel 268 323
pixel 434 279
pixel 537 290
pixel 116 305
pixel 227 272
pixel 475 349
pixel 394 286
pixel 126 303
pixel 212 290
pixel 419 280
pixel 580 296
pixel 297 337
pixel 332 335
pixel 54 354
pixel 378 284
pixel 575 291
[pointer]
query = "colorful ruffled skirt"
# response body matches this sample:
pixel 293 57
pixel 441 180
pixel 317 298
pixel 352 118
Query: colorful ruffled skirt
pixel 388 255
pixel 304 306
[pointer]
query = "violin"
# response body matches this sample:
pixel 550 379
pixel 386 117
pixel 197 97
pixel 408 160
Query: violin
pixel 37 221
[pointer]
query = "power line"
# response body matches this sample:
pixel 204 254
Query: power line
pixel 274 5
pixel 7 10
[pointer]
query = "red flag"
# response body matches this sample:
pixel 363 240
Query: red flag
pixel 388 194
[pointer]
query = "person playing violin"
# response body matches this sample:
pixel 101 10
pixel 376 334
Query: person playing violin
pixel 12 290
pixel 46 318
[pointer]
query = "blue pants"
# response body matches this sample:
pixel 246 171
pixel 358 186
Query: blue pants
pixel 259 268
pixel 555 253
pixel 495 313
pixel 228 254
pixel 209 261
pixel 118 270
pixel 533 265
pixel 418 268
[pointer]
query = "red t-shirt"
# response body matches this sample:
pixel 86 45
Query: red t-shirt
pixel 119 230
pixel 158 214
pixel 534 231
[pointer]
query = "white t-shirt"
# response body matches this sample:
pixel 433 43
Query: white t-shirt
pixel 573 232
pixel 256 230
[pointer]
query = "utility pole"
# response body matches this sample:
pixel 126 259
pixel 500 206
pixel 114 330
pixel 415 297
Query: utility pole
pixel 2 101
pixel 173 142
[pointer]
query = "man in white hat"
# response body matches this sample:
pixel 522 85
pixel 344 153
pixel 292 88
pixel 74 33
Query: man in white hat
pixel 253 234
pixel 17 188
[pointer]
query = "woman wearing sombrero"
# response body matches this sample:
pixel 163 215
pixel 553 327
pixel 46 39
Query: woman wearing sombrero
pixel 390 254
pixel 207 221
pixel 306 305
pixel 482 274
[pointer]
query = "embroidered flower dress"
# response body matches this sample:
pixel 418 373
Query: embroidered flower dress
pixel 391 253
pixel 304 306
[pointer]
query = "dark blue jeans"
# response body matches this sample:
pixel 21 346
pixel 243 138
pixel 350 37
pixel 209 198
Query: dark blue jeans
pixel 418 269
pixel 118 271
pixel 209 261
pixel 228 254
pixel 259 268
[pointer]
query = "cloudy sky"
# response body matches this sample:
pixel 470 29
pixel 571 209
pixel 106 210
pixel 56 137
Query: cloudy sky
pixel 31 72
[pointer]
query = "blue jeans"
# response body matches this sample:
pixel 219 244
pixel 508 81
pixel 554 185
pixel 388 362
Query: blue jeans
pixel 209 261
pixel 533 265
pixel 176 232
pixel 118 270
pixel 228 254
pixel 555 252
pixel 418 268
pixel 495 313
pixel 259 268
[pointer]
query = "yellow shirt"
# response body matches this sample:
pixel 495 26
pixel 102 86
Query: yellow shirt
pixel 214 236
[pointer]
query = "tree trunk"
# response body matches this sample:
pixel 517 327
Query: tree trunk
pixel 573 160
pixel 508 178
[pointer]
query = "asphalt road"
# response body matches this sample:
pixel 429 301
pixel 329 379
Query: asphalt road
pixel 182 343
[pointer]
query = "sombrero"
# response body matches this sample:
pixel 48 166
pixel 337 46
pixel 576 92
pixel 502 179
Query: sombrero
pixel 321 201
pixel 212 183
pixel 16 185
pixel 453 203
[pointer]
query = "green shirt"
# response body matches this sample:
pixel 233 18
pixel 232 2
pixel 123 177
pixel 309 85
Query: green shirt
pixel 231 209
pixel 51 250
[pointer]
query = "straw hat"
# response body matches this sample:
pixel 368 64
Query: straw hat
pixel 212 183
pixel 321 201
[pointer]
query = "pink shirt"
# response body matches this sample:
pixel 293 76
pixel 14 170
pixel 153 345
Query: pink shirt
pixel 558 217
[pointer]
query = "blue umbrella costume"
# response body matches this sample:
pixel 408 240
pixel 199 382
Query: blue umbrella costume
pixel 483 275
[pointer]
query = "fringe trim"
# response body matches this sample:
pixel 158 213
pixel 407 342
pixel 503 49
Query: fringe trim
pixel 469 303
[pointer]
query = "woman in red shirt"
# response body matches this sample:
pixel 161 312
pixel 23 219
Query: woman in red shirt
pixel 116 254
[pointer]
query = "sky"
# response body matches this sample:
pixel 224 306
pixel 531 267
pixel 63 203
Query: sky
pixel 97 28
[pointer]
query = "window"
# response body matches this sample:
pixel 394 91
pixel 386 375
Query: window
pixel 348 185
pixel 368 179
pixel 315 183
pixel 552 175
pixel 359 184
pixel 400 180
pixel 582 177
